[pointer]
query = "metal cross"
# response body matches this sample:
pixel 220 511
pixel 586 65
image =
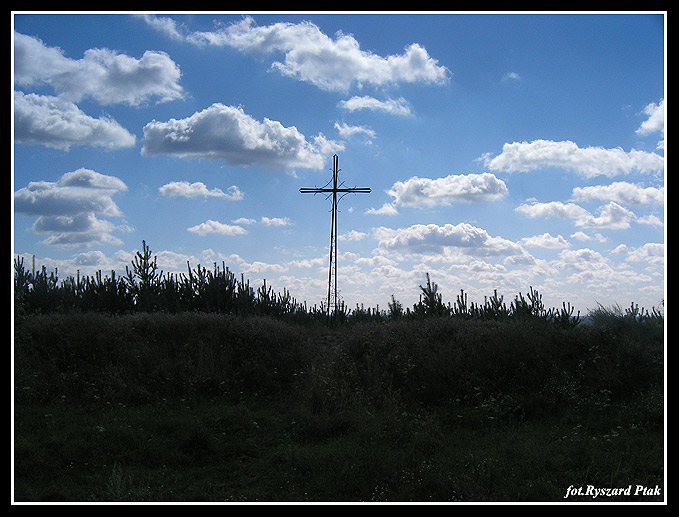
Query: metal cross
pixel 332 192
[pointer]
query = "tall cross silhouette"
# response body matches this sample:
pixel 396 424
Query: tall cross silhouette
pixel 332 192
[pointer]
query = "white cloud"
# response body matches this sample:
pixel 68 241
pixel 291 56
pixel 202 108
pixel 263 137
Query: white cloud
pixel 266 221
pixel 75 192
pixel 327 147
pixel 347 131
pixel 621 192
pixel 655 122
pixel 310 263
pixel 227 133
pixel 582 236
pixel 511 76
pixel 376 261
pixel 649 253
pixel 387 209
pixel 546 240
pixel 210 226
pixel 462 188
pixel 583 259
pixel 199 189
pixel 553 209
pixel 67 209
pixel 651 220
pixel 392 106
pixel 166 26
pixel 89 258
pixel 60 124
pixel 102 74
pixel 311 56
pixel 432 238
pixel 80 229
pixel 244 220
pixel 353 235
pixel 656 118
pixel 595 274
pixel 258 267
pixel 588 161
pixel 620 249
pixel 276 221
pixel 611 216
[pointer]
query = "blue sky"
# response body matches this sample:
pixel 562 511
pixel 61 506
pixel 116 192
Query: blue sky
pixel 503 150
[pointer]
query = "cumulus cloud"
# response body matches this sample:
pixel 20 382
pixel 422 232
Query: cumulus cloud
pixel 582 236
pixel 166 26
pixel 67 209
pixel 199 189
pixel 353 235
pixel 80 229
pixel 461 188
pixel 386 209
pixel 392 106
pixel 649 253
pixel 276 221
pixel 309 263
pixel 75 192
pixel 258 267
pixel 553 209
pixel 588 161
pixel 621 192
pixel 244 220
pixel 432 238
pixel 332 64
pixel 215 227
pixel 102 74
pixel 655 122
pixel 611 216
pixel 227 133
pixel 347 131
pixel 546 240
pixel 583 259
pixel 57 123
pixel 650 220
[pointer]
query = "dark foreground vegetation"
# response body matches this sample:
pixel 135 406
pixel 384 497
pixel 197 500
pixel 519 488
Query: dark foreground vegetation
pixel 265 402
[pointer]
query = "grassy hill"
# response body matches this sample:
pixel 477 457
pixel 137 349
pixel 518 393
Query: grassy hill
pixel 460 403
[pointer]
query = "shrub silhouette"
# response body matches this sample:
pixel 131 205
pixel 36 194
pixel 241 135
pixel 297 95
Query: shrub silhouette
pixel 145 288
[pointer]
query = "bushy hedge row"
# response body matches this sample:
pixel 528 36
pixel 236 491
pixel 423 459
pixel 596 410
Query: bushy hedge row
pixel 144 288
pixel 499 370
pixel 507 368
pixel 147 357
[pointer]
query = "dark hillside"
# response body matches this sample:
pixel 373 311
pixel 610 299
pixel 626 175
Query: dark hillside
pixel 152 387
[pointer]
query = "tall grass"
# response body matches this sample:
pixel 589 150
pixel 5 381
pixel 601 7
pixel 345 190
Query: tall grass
pixel 515 369
pixel 208 406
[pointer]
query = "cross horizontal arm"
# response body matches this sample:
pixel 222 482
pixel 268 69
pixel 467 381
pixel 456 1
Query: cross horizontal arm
pixel 361 190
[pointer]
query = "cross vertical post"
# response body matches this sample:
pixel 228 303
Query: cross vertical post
pixel 332 192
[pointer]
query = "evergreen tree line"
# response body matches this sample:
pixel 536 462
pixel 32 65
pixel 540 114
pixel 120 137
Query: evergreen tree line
pixel 145 288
